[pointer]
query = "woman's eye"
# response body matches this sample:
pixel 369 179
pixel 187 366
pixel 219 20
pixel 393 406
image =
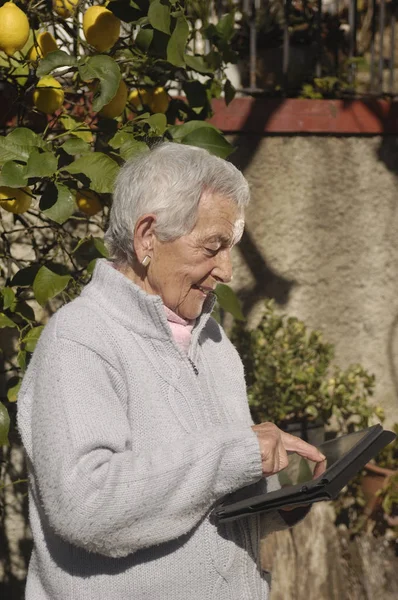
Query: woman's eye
pixel 212 251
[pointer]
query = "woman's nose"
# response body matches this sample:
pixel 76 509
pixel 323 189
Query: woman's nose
pixel 223 268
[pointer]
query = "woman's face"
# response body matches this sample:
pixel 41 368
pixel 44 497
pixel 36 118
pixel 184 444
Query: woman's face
pixel 183 272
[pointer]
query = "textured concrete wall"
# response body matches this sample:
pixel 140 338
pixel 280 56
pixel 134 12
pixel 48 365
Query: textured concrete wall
pixel 322 239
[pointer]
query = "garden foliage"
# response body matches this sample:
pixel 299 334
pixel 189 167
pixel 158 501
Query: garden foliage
pixel 61 148
pixel 291 377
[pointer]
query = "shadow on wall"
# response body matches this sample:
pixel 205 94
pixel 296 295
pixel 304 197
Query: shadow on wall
pixel 353 118
pixel 268 283
pixel 388 154
pixel 392 337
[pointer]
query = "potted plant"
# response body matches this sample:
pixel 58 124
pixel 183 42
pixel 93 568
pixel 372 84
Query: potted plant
pixel 292 382
pixel 380 482
pixel 370 502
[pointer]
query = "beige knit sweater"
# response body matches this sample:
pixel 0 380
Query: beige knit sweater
pixel 128 449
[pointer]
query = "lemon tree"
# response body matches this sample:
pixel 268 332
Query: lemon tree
pixel 85 86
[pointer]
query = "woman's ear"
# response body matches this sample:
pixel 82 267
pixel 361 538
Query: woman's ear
pixel 144 234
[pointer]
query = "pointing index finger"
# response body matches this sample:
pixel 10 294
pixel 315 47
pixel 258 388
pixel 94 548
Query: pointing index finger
pixel 295 444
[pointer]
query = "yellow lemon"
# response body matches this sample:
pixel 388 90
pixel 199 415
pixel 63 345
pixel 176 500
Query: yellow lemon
pixel 101 28
pixel 45 43
pixel 88 202
pixel 116 106
pixel 156 99
pixel 65 8
pixel 48 95
pixel 14 30
pixel 160 100
pixel 15 200
pixel 140 98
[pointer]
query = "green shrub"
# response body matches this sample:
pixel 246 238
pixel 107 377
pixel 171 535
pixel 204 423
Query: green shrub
pixel 290 376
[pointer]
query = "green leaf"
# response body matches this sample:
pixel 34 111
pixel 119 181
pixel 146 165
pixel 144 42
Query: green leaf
pixel 91 266
pixel 284 479
pixel 10 150
pixel 105 69
pixel 180 131
pixel 144 39
pixel 13 174
pixel 21 360
pixel 129 11
pixel 20 73
pixel 58 202
pixel 6 321
pixel 25 276
pixel 4 425
pixel 80 243
pixel 215 89
pixel 229 301
pixel 196 93
pixel 25 137
pixel 99 168
pixel 41 164
pixel 120 138
pixel 159 44
pixel 79 129
pixel 32 337
pixel 12 391
pixel 75 146
pixel 25 311
pixel 8 298
pixel 177 43
pixel 100 246
pixel 209 139
pixel 159 16
pixel 90 248
pixel 229 92
pixel 48 284
pixel 131 148
pixel 225 26
pixel 158 123
pixel 305 473
pixel 216 313
pixel 197 63
pixel 53 60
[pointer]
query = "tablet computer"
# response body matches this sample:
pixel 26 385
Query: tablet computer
pixel 345 457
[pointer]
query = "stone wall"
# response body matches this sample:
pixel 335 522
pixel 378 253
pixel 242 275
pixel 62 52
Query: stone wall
pixel 322 239
pixel 316 561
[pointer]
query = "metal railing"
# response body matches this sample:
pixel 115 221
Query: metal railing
pixel 315 48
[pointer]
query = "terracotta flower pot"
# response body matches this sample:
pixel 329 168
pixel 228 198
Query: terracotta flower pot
pixel 375 479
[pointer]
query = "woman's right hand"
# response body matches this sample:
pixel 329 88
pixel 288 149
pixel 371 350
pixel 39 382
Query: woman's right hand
pixel 275 444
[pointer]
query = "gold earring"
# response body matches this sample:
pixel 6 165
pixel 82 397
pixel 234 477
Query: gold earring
pixel 146 260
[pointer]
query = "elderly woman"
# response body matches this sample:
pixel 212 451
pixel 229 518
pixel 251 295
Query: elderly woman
pixel 133 411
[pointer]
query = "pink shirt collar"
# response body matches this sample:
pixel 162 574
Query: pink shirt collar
pixel 181 329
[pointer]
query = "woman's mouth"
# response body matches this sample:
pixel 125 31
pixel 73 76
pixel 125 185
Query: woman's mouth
pixel 205 290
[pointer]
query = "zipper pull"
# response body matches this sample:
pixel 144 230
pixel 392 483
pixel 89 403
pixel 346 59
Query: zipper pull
pixel 195 369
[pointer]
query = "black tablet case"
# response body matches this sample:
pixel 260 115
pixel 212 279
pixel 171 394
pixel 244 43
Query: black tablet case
pixel 325 487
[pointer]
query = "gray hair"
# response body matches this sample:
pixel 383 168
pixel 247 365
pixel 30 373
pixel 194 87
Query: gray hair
pixel 168 182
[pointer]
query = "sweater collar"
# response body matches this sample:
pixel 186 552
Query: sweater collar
pixel 131 306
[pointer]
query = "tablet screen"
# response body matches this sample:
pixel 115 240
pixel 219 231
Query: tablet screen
pixel 301 470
